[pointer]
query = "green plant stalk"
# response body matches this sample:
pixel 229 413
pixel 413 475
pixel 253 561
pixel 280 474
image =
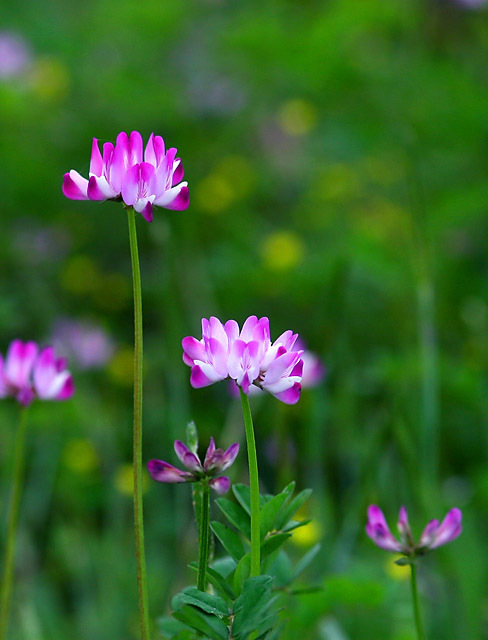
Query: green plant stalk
pixel 137 461
pixel 204 534
pixel 415 600
pixel 254 487
pixel 12 521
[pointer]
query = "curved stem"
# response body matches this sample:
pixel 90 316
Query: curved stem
pixel 12 520
pixel 416 607
pixel 204 531
pixel 254 487
pixel 137 462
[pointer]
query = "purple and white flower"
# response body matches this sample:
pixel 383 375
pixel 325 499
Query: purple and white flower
pixel 434 535
pixel 123 172
pixel 27 374
pixel 246 356
pixel 216 461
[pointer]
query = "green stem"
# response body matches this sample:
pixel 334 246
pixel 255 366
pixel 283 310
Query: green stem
pixel 254 487
pixel 12 520
pixel 415 600
pixel 137 462
pixel 204 531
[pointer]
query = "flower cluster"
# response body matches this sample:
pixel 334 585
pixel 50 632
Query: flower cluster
pixel 123 172
pixel 28 373
pixel 434 535
pixel 216 461
pixel 247 356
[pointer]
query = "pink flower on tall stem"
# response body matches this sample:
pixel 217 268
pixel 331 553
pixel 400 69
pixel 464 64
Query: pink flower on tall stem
pixel 246 356
pixel 123 172
pixel 28 373
pixel 434 535
pixel 216 461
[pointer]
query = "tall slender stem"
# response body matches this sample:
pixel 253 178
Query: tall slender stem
pixel 137 462
pixel 12 520
pixel 416 607
pixel 254 487
pixel 204 534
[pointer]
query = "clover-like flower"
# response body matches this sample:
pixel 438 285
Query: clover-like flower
pixel 216 461
pixel 27 374
pixel 247 356
pixel 434 535
pixel 123 172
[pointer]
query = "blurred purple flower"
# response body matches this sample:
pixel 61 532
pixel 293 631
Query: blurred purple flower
pixel 434 535
pixel 14 54
pixel 124 173
pixel 216 461
pixel 246 356
pixel 27 374
pixel 470 4
pixel 87 344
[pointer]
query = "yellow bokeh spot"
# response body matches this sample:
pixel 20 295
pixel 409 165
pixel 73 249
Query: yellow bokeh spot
pixel 50 79
pixel 337 183
pixel 307 535
pixel 282 250
pixel 214 193
pixel 80 275
pixel 396 571
pixel 80 456
pixel 297 117
pixel 121 367
pixel 124 480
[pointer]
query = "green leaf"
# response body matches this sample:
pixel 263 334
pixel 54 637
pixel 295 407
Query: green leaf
pixel 218 581
pixel 289 511
pixel 273 543
pixel 296 524
pixel 305 561
pixel 236 515
pixel 170 627
pixel 279 566
pixel 251 605
pixel 269 512
pixel 242 572
pixel 209 625
pixel 402 562
pixel 243 497
pixel 204 601
pixel 230 540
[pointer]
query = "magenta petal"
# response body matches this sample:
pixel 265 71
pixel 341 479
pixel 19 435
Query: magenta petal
pixel 135 144
pixel 220 485
pixel 209 453
pixel 165 472
pixel 75 186
pixel 94 192
pixel 230 455
pixel 449 529
pixel 181 450
pixel 198 379
pixel 428 534
pixel 130 185
pixel 379 532
pixel 178 173
pixel 67 390
pixel 25 396
pixel 147 212
pixel 180 202
pixel 192 461
pixel 96 163
pixel 19 363
pixel 193 349
pixel 291 395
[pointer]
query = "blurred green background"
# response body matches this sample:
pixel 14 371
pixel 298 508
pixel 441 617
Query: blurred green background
pixel 336 155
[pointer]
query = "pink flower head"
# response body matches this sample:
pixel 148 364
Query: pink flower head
pixel 433 536
pixel 246 356
pixel 124 172
pixel 216 461
pixel 27 374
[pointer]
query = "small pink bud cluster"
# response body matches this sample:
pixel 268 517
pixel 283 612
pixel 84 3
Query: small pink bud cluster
pixel 123 172
pixel 434 535
pixel 28 373
pixel 247 356
pixel 216 461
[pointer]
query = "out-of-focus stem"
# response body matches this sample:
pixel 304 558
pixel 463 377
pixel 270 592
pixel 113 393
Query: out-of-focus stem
pixel 12 521
pixel 415 600
pixel 137 461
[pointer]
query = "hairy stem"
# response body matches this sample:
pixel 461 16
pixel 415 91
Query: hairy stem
pixel 137 461
pixel 12 520
pixel 254 487
pixel 204 534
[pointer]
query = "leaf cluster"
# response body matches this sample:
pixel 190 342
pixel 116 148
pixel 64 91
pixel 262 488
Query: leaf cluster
pixel 239 606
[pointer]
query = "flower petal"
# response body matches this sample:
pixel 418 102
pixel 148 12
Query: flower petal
pixel 19 362
pixel 165 472
pixel 220 485
pixel 379 532
pixel 75 186
pixel 449 529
